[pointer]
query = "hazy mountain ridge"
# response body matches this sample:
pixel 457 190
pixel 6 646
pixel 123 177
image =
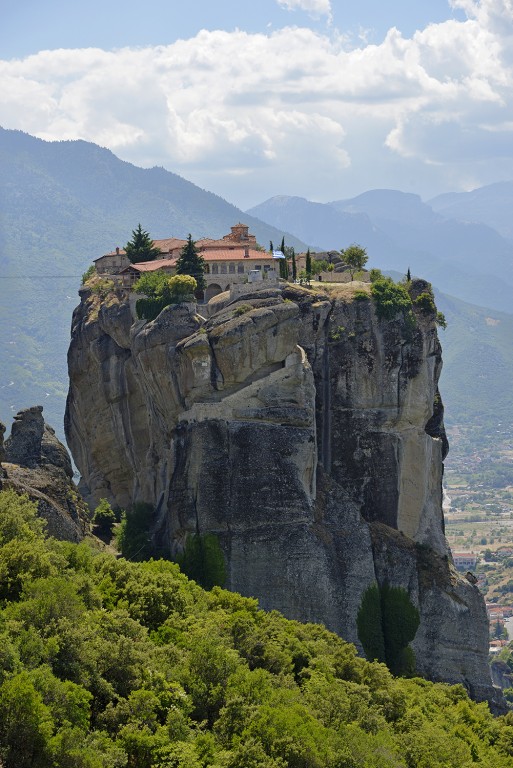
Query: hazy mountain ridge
pixel 466 259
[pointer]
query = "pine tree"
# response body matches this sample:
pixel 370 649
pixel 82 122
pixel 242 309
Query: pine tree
pixel 191 262
pixel 141 247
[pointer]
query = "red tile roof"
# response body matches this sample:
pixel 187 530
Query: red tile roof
pixel 237 254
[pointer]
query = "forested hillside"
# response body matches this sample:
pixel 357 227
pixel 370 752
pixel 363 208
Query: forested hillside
pixel 107 663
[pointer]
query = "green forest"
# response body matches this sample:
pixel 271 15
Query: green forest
pixel 106 662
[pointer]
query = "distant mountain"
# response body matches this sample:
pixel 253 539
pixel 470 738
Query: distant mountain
pixel 478 362
pixel 468 260
pixel 491 205
pixel 62 204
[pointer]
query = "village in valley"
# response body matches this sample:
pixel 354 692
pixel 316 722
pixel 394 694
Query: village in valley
pixel 478 510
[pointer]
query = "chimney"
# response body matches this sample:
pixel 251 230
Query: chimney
pixel 117 250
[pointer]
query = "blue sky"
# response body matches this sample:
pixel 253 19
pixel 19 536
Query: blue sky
pixel 308 97
pixel 30 26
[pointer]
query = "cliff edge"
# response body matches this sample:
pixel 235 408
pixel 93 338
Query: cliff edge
pixel 303 431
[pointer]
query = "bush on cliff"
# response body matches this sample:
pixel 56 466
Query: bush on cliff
pixel 390 298
pixel 106 663
pixel 203 561
pixel 161 290
pixel 387 622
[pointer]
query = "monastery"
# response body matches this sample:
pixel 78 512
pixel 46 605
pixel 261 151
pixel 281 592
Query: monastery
pixel 229 261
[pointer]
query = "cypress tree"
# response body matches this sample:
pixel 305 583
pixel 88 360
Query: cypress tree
pixel 294 267
pixel 141 247
pixel 408 276
pixel 308 266
pixel 191 262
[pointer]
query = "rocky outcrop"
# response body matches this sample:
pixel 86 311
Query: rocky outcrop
pixel 300 429
pixel 34 462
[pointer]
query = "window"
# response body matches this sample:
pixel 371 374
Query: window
pixel 231 269
pixel 223 269
pixel 215 269
pixel 240 268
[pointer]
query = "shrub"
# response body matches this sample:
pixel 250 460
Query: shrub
pixel 160 291
pixel 90 271
pixel 102 288
pixel 361 296
pixel 242 309
pixel 387 622
pixel 203 560
pixel 132 535
pixel 440 320
pixel 426 302
pixel 104 516
pixel 390 298
pixel 375 274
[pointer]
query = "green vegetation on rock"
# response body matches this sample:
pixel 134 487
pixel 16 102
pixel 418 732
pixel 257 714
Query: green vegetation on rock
pixel 203 560
pixel 160 291
pixel 106 663
pixel 390 298
pixel 387 622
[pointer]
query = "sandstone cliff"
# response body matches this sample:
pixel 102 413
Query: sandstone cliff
pixel 34 462
pixel 301 430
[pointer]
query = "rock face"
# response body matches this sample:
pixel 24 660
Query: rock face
pixel 302 431
pixel 37 464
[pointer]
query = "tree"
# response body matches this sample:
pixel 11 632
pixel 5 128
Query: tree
pixel 294 267
pixel 141 247
pixel 355 257
pixel 191 262
pixel 308 265
pixel 408 276
pixel 104 516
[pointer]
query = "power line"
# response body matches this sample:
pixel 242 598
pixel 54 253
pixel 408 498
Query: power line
pixel 40 277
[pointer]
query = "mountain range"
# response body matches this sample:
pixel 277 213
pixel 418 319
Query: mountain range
pixel 63 204
pixel 464 256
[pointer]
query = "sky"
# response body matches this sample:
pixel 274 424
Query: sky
pixel 323 99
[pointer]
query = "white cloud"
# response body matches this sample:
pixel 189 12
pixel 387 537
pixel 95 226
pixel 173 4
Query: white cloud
pixel 314 7
pixel 293 111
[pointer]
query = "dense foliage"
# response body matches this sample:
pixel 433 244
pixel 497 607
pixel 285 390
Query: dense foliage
pixel 390 298
pixel 387 622
pixel 161 290
pixel 107 663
